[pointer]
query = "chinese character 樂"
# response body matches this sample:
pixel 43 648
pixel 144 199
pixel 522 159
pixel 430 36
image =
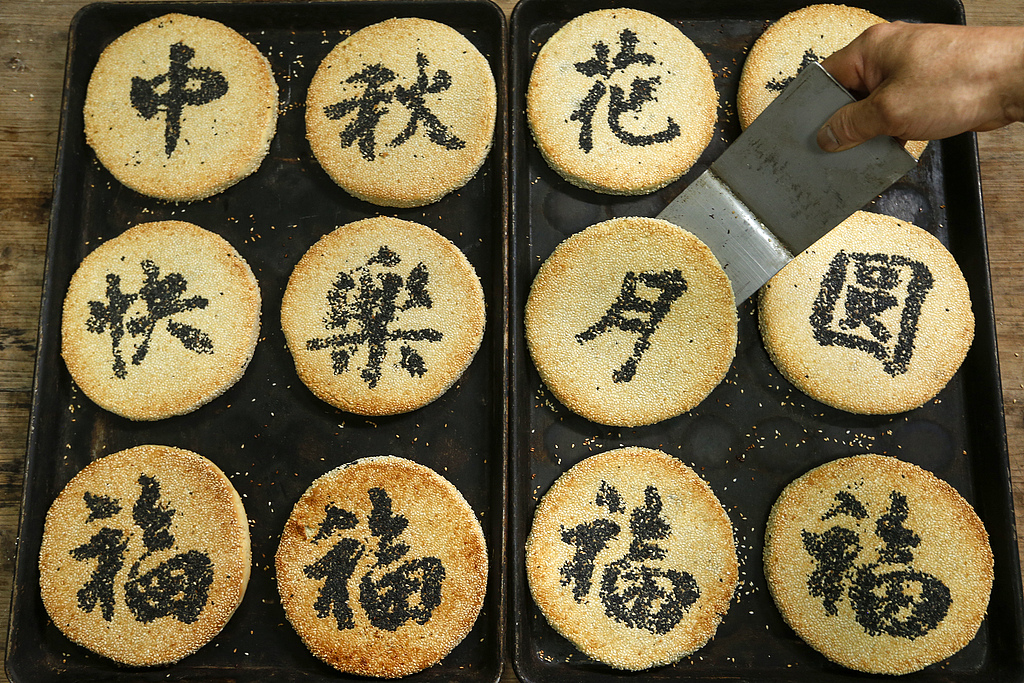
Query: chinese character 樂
pixel 367 305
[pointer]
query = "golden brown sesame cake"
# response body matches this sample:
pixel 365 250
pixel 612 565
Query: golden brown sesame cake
pixel 382 567
pixel 181 108
pixel 382 316
pixel 631 557
pixel 631 321
pixel 145 555
pixel 878 564
pixel 620 101
pixel 874 318
pixel 402 112
pixel 809 34
pixel 160 320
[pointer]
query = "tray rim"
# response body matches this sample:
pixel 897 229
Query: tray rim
pixel 984 316
pixel 51 299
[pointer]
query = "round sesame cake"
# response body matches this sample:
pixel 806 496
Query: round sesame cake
pixel 160 320
pixel 402 112
pixel 382 316
pixel 874 318
pixel 631 321
pixel 382 567
pixel 181 108
pixel 806 35
pixel 145 555
pixel 631 557
pixel 878 564
pixel 620 101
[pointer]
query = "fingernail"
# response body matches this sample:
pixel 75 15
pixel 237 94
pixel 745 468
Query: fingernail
pixel 827 140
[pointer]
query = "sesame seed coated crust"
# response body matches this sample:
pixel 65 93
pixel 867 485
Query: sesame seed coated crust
pixel 444 324
pixel 825 316
pixel 812 32
pixel 695 538
pixel 689 351
pixel 441 525
pixel 910 527
pixel 432 136
pixel 207 517
pixel 666 100
pixel 220 140
pixel 175 355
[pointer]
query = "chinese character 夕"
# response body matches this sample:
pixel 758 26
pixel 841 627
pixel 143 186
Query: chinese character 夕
pixel 649 314
pixel 391 593
pixel 368 300
pixel 641 90
pixel 634 589
pixel 176 587
pixel 779 84
pixel 871 303
pixel 163 298
pixel 371 106
pixel 183 85
pixel 888 596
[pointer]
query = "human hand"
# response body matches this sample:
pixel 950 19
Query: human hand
pixel 926 81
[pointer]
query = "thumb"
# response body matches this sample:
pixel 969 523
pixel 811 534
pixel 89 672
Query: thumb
pixel 851 125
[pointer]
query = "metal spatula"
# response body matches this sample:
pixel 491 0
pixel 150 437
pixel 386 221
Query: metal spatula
pixel 774 192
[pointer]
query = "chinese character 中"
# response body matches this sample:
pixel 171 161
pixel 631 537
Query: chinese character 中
pixel 601 69
pixel 181 86
pixel 650 313
pixel 871 303
pixel 888 596
pixel 367 299
pixel 163 298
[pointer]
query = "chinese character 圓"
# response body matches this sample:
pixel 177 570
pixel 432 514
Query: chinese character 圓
pixel 871 303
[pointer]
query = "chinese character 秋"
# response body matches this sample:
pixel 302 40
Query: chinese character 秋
pixel 871 303
pixel 370 107
pixel 369 299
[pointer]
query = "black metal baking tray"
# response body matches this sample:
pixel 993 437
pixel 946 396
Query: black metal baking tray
pixel 269 434
pixel 756 432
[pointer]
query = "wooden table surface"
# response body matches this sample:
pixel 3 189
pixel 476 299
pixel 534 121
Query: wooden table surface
pixel 33 41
